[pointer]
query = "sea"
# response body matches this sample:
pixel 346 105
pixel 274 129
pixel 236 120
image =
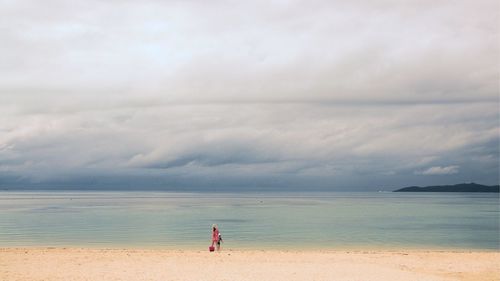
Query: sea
pixel 279 220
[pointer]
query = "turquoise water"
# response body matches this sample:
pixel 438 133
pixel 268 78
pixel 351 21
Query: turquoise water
pixel 268 220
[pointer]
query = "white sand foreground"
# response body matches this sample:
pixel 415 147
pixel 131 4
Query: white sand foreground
pixel 50 264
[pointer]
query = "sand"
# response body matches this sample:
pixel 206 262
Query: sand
pixel 49 264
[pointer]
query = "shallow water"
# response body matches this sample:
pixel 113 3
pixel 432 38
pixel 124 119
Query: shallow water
pixel 250 220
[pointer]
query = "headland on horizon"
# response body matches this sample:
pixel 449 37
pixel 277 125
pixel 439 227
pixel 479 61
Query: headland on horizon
pixel 461 187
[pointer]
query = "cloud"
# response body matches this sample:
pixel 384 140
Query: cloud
pixel 438 170
pixel 301 51
pixel 244 143
pixel 305 93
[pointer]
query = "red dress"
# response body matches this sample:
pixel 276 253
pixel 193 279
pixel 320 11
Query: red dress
pixel 215 235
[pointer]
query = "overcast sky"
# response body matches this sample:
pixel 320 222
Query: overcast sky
pixel 245 95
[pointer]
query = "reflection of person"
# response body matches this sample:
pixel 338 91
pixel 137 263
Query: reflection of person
pixel 215 236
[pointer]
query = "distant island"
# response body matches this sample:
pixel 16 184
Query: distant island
pixel 461 187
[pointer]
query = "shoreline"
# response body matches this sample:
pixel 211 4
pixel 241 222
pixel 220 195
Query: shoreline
pixel 260 247
pixel 60 263
pixel 256 249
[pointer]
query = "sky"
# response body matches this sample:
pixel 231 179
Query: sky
pixel 248 95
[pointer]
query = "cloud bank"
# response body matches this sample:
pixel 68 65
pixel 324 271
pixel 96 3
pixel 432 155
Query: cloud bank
pixel 263 95
pixel 437 170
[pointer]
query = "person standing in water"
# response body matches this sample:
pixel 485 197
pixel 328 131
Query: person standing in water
pixel 216 238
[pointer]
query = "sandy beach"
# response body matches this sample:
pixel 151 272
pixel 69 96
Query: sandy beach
pixel 50 264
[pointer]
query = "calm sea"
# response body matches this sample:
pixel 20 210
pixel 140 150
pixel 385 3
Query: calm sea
pixel 334 220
